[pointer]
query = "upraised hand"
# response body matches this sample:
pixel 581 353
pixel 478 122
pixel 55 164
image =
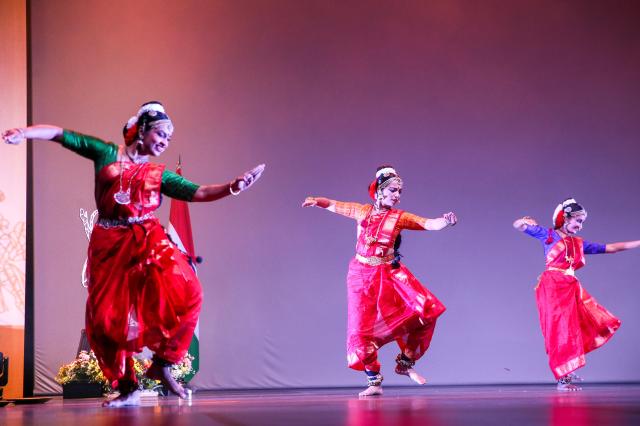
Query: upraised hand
pixel 310 202
pixel 242 183
pixel 323 203
pixel 522 223
pixel 13 136
pixel 450 218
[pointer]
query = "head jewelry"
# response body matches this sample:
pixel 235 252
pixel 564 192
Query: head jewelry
pixel 150 114
pixel 385 175
pixel 565 209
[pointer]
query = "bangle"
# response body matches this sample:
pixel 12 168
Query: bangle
pixel 231 190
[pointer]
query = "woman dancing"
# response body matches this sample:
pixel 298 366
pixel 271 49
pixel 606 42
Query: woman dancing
pixel 572 322
pixel 142 290
pixel 386 302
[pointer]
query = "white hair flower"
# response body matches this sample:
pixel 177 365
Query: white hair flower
pixel 132 121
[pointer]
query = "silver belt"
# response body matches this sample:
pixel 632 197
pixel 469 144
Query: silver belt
pixel 374 260
pixel 112 223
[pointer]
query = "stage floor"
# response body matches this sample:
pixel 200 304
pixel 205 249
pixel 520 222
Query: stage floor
pixel 429 405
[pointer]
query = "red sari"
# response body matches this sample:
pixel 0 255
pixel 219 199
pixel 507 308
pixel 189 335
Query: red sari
pixel 572 322
pixel 142 290
pixel 384 303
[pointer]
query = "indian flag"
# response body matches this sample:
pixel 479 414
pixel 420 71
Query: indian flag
pixel 179 230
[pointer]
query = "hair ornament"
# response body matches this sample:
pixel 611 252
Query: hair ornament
pixel 152 108
pixel 568 207
pixel 386 171
pixel 132 121
pixel 384 177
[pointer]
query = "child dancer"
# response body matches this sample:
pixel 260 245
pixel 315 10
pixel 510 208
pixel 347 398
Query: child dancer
pixel 572 322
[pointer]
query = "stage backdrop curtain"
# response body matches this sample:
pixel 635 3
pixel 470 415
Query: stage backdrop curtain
pixel 493 109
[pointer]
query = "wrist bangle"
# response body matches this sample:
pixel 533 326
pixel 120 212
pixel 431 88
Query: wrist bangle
pixel 231 190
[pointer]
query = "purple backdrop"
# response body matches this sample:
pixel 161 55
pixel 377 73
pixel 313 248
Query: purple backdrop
pixel 492 109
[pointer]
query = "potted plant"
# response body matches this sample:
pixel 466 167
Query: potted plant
pixel 82 378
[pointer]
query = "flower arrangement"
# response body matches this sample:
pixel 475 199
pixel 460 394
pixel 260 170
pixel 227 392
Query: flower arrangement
pixel 182 369
pixel 85 369
pixel 140 366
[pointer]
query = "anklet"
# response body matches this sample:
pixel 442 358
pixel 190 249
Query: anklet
pixel 404 361
pixel 374 380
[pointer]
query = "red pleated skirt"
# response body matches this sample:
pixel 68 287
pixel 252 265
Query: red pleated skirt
pixel 142 292
pixel 386 304
pixel 573 323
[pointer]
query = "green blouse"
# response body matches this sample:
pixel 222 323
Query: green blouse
pixel 103 153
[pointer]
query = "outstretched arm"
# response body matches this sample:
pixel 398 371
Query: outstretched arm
pixel 447 219
pixel 348 209
pixel 241 183
pixel 626 245
pixel 321 202
pixel 521 224
pixel 40 131
pixel 418 223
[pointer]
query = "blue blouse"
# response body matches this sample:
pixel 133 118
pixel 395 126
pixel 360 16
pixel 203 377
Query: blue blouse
pixel 542 234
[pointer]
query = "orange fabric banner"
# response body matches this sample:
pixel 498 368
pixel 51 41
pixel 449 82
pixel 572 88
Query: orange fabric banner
pixel 13 177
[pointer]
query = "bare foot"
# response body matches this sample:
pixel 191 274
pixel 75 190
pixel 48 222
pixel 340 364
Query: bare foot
pixel 416 377
pixel 371 391
pixel 158 372
pixel 130 399
pixel 575 378
pixel 404 370
pixel 568 387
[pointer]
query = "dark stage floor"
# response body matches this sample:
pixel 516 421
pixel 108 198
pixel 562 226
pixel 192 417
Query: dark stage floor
pixel 406 406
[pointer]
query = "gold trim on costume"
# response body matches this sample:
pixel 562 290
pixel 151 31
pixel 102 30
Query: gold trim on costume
pixel 569 366
pixel 374 260
pixel 571 272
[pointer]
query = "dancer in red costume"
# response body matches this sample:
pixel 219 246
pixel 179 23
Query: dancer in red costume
pixel 572 322
pixel 142 290
pixel 386 302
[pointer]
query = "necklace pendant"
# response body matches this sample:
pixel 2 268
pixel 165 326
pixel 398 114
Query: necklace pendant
pixel 369 240
pixel 122 197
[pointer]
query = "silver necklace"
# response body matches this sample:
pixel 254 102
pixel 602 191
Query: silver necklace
pixel 124 197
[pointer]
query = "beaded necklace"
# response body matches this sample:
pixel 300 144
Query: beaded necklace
pixel 371 239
